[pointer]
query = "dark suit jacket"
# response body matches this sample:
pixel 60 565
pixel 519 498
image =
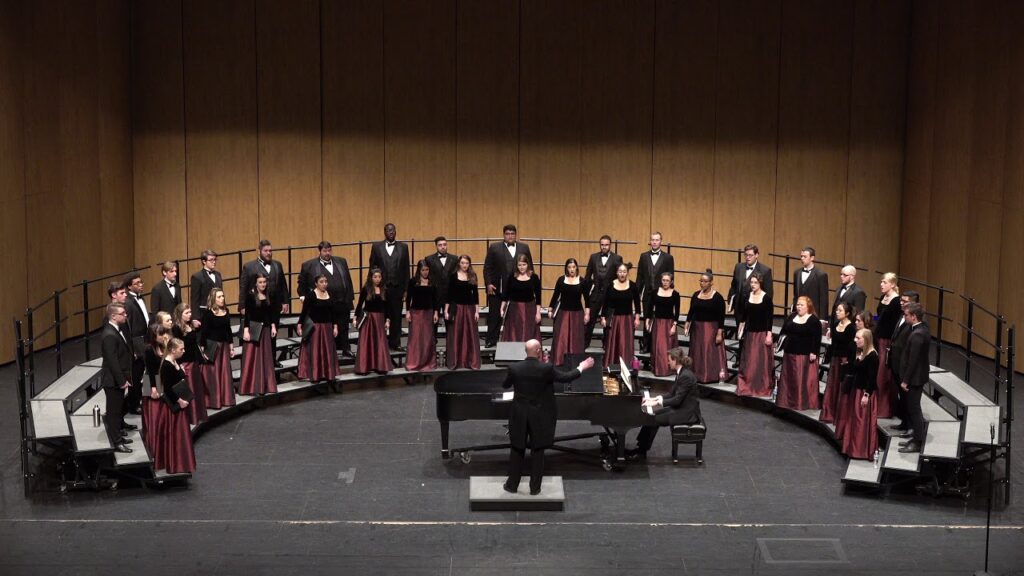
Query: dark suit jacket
pixel 599 277
pixel 277 285
pixel 854 296
pixel 117 358
pixel 200 287
pixel 739 289
pixel 160 299
pixel 648 274
pixel 533 408
pixel 499 264
pixel 440 275
pixel 816 288
pixel 682 405
pixel 339 284
pixel 914 363
pixel 137 324
pixel 896 347
pixel 395 268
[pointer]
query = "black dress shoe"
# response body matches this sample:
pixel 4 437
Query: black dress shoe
pixel 910 448
pixel 508 489
pixel 534 492
pixel 126 441
pixel 399 349
pixel 346 353
pixel 129 427
pixel 122 449
pixel 903 434
pixel 636 454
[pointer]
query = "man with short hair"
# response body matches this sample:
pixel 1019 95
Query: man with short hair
pixel 849 293
pixel 138 331
pixel 166 295
pixel 392 257
pixel 278 291
pixel 205 280
pixel 116 375
pixel 499 264
pixel 914 370
pixel 600 271
pixel 653 263
pixel 896 347
pixel 739 289
pixel 339 288
pixel 811 282
pixel 442 265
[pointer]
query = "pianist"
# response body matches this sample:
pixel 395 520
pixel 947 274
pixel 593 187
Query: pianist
pixel 680 407
pixel 533 414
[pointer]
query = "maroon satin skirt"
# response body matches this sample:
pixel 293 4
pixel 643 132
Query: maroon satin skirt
pixel 520 323
pixel 887 388
pixel 176 453
pixel 798 383
pixel 258 375
pixel 154 422
pixel 422 345
pixel 318 356
pixel 462 344
pixel 568 335
pixel 619 339
pixel 708 357
pixel 220 391
pixel 860 429
pixel 373 355
pixel 833 390
pixel 662 339
pixel 757 367
pixel 196 411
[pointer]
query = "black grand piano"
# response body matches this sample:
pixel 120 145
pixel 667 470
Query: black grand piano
pixel 476 395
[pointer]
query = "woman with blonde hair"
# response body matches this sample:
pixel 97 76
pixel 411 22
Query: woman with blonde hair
pixel 888 316
pixel 184 331
pixel 462 312
pixel 857 426
pixel 215 340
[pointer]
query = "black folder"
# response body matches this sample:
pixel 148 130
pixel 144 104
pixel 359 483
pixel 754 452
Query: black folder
pixel 307 328
pixel 210 353
pixel 182 390
pixel 255 331
pixel 139 346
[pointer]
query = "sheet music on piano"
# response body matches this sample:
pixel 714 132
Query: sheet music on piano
pixel 626 376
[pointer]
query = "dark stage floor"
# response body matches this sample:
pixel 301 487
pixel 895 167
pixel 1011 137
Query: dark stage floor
pixel 353 483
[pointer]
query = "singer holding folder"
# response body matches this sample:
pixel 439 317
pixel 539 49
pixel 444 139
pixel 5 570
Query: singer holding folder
pixel 259 328
pixel 681 406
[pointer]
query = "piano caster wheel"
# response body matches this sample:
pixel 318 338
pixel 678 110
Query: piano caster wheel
pixel 465 457
pixel 607 465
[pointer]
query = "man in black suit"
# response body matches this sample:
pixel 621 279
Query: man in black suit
pixel 392 258
pixel 116 374
pixel 278 291
pixel 166 295
pixel 205 280
pixel 653 264
pixel 499 264
pixel 894 358
pixel 810 281
pixel 739 289
pixel 339 287
pixel 849 292
pixel 138 329
pixel 681 406
pixel 533 415
pixel 914 370
pixel 600 271
pixel 442 266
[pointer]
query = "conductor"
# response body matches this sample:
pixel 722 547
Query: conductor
pixel 531 421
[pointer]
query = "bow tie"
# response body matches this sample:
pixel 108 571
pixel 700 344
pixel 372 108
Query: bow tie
pixel 390 244
pixel 653 253
pixel 439 255
pixel 750 267
pixel 806 269
pixel 326 262
pixel 510 245
pixel 264 263
pixel 169 285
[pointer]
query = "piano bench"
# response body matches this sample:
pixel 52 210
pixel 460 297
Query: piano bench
pixel 689 434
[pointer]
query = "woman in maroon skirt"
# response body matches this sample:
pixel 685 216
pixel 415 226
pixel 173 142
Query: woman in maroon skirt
pixel 520 304
pixel 860 419
pixel 176 453
pixel 259 328
pixel 421 307
pixel 757 365
pixel 798 383
pixel 838 353
pixel 662 314
pixel 707 319
pixel 570 311
pixel 462 313
pixel 371 319
pixel 184 331
pixel 889 313
pixel 620 317
pixel 154 411
pixel 215 339
pixel 318 354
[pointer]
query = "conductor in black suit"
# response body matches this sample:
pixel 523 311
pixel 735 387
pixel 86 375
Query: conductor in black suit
pixel 600 271
pixel 166 295
pixel 277 285
pixel 914 370
pixel 203 281
pixel 116 374
pixel 533 415
pixel 681 406
pixel 393 260
pixel 810 281
pixel 499 265
pixel 442 267
pixel 653 264
pixel 339 287
pixel 849 292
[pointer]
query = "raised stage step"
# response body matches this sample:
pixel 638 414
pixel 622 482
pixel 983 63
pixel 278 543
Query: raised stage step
pixel 863 472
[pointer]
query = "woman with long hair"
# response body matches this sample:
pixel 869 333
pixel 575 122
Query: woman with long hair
pixel 859 421
pixel 570 310
pixel 371 319
pixel 218 348
pixel 706 318
pixel 889 313
pixel 183 330
pixel 154 412
pixel 520 304
pixel 462 312
pixel 421 311
pixel 259 328
pixel 620 317
pixel 318 353
pixel 798 383
pixel 838 353
pixel 756 375
pixel 661 315
pixel 177 455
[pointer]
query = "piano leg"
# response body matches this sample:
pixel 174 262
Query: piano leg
pixel 445 454
pixel 619 462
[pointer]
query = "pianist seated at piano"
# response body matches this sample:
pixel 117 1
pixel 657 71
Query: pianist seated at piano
pixel 681 406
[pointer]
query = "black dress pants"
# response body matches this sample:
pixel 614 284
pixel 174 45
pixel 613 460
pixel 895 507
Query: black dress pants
pixel 114 416
pixel 515 468
pixel 914 414
pixel 393 310
pixel 493 319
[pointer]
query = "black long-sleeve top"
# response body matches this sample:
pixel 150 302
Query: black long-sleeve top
pixel 888 316
pixel 462 292
pixel 216 328
pixel 260 311
pixel 419 297
pixel 802 338
pixel 666 307
pixel 170 376
pixel 191 340
pixel 864 372
pixel 710 310
pixel 370 304
pixel 522 290
pixel 320 311
pixel 152 366
pixel 759 316
pixel 618 302
pixel 570 296
pixel 842 343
